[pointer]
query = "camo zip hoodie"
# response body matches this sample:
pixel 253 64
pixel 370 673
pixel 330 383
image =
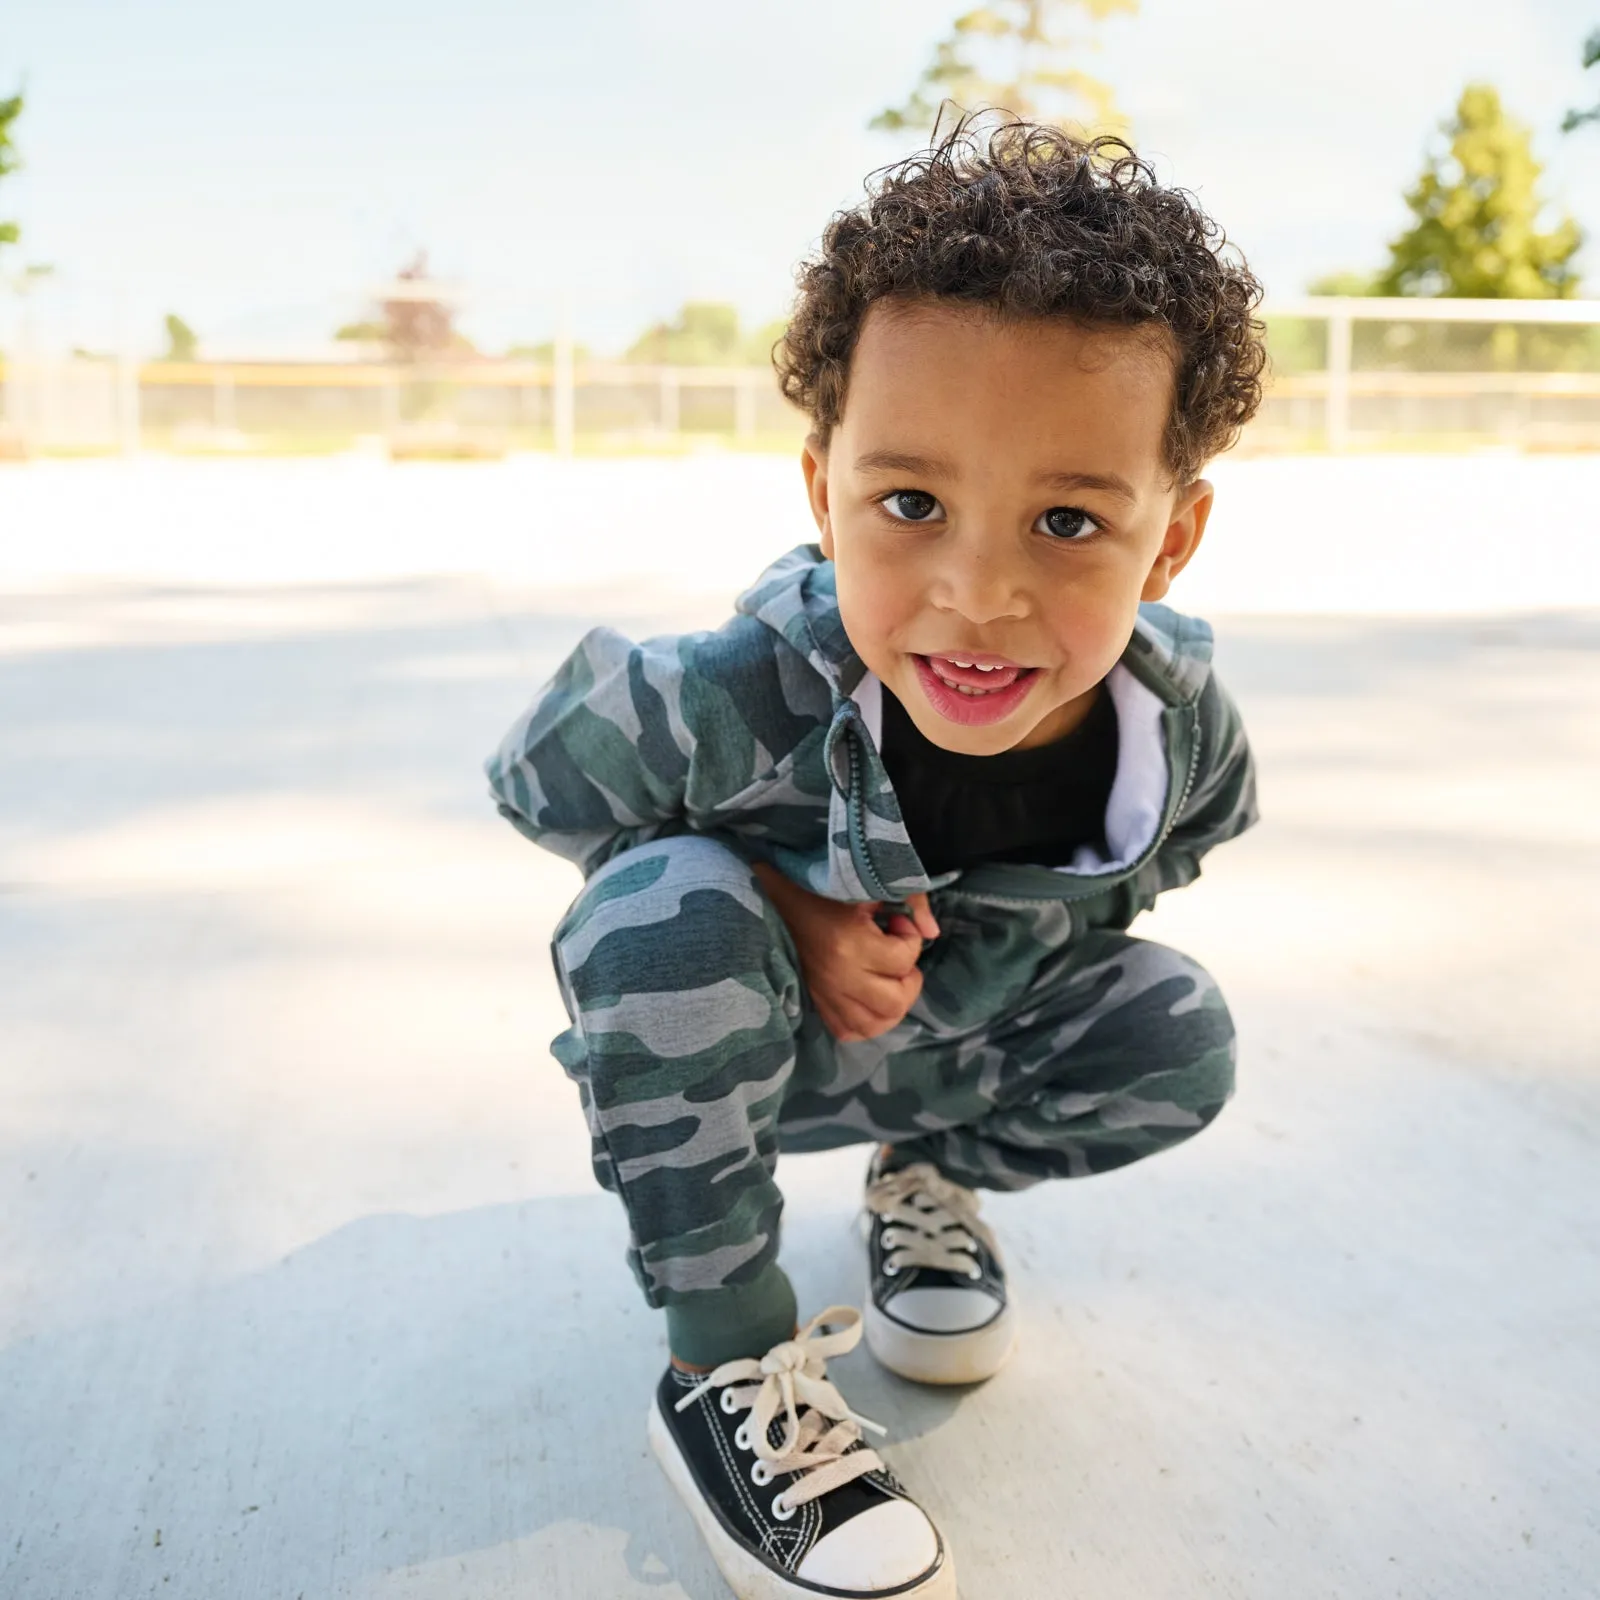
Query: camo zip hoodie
pixel 765 733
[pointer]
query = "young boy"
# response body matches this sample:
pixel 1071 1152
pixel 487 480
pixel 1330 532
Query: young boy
pixel 860 863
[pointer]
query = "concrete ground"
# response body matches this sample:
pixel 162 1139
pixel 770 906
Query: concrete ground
pixel 305 1290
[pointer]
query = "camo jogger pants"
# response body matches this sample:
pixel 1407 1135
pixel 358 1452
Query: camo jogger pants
pixel 1037 1049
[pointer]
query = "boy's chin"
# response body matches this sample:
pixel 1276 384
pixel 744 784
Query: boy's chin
pixel 991 739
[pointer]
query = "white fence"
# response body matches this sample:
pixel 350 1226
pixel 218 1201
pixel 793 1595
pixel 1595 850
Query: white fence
pixel 1347 373
pixel 80 403
pixel 1543 388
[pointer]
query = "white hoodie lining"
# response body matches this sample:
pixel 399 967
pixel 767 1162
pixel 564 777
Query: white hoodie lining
pixel 1138 790
pixel 868 697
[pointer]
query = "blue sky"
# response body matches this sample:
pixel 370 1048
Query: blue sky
pixel 253 167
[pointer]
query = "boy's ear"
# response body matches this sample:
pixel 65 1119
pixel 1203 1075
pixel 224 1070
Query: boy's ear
pixel 814 463
pixel 1184 532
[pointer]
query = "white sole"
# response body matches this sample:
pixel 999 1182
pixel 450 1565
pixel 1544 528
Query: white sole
pixel 942 1358
pixel 749 1578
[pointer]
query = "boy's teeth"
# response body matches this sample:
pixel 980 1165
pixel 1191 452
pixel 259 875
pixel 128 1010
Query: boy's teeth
pixel 1003 674
pixel 960 688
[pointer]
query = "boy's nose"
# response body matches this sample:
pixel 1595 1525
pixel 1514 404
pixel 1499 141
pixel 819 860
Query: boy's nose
pixel 980 588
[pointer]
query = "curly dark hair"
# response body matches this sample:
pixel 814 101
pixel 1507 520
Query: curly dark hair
pixel 1031 222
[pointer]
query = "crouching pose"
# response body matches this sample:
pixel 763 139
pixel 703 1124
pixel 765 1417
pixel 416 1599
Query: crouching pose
pixel 860 863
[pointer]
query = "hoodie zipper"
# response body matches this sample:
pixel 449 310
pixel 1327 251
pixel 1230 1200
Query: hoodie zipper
pixel 1195 749
pixel 858 828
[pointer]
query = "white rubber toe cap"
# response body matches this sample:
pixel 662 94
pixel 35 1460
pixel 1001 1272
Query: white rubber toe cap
pixel 881 1549
pixel 951 1310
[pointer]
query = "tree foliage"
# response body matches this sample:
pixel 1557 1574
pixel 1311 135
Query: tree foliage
pixel 183 343
pixel 367 331
pixel 1476 210
pixel 545 351
pixel 705 333
pixel 10 110
pixel 1019 56
pixel 1344 283
pixel 1591 56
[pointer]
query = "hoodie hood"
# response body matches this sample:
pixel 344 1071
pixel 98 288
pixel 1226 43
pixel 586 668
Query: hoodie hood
pixel 798 599
pixel 765 732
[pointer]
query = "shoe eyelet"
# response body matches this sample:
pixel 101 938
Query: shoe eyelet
pixel 742 1436
pixel 760 1473
pixel 890 1270
pixel 781 1508
pixel 728 1403
pixel 974 1271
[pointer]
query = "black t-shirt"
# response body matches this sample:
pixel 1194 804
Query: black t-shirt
pixel 1038 806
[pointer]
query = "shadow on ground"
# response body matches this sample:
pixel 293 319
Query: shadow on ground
pixel 410 1406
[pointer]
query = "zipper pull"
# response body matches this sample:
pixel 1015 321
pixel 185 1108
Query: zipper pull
pixel 837 748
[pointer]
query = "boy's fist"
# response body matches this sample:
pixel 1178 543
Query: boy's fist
pixel 862 978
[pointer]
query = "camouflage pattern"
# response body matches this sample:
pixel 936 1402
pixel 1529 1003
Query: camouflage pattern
pixel 1047 1042
pixel 1039 1047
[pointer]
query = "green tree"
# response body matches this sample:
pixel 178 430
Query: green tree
pixel 1019 56
pixel 1476 212
pixel 10 110
pixel 183 343
pixel 545 351
pixel 758 346
pixel 368 332
pixel 705 333
pixel 1342 283
pixel 1591 55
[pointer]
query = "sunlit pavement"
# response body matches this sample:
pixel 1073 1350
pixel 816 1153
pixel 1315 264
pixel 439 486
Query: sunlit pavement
pixel 305 1289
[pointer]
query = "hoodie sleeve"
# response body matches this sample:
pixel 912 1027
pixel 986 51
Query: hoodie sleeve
pixel 593 765
pixel 629 742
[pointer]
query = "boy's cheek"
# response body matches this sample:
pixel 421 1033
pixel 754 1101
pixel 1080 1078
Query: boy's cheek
pixel 868 608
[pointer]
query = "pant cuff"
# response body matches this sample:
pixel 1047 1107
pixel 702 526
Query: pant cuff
pixel 735 1322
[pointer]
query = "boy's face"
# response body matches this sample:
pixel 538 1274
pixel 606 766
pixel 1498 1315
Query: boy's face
pixel 995 494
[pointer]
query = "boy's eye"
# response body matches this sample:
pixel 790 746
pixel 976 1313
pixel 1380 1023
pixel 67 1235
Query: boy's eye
pixel 1067 522
pixel 910 505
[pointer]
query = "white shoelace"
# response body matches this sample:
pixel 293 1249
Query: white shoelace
pixel 819 1428
pixel 932 1222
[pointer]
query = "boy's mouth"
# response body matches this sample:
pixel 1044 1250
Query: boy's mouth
pixel 975 688
pixel 977 673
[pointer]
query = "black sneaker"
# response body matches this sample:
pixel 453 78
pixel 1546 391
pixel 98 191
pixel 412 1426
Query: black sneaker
pixel 937 1309
pixel 791 1501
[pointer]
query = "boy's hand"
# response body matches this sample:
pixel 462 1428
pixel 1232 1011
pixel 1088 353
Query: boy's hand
pixel 862 978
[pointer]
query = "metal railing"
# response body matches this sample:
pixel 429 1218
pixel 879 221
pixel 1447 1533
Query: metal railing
pixel 85 403
pixel 1495 400
pixel 1346 374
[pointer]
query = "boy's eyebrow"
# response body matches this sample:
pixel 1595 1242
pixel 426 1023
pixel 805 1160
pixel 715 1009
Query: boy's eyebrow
pixel 900 461
pixel 1108 481
pixel 938 467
